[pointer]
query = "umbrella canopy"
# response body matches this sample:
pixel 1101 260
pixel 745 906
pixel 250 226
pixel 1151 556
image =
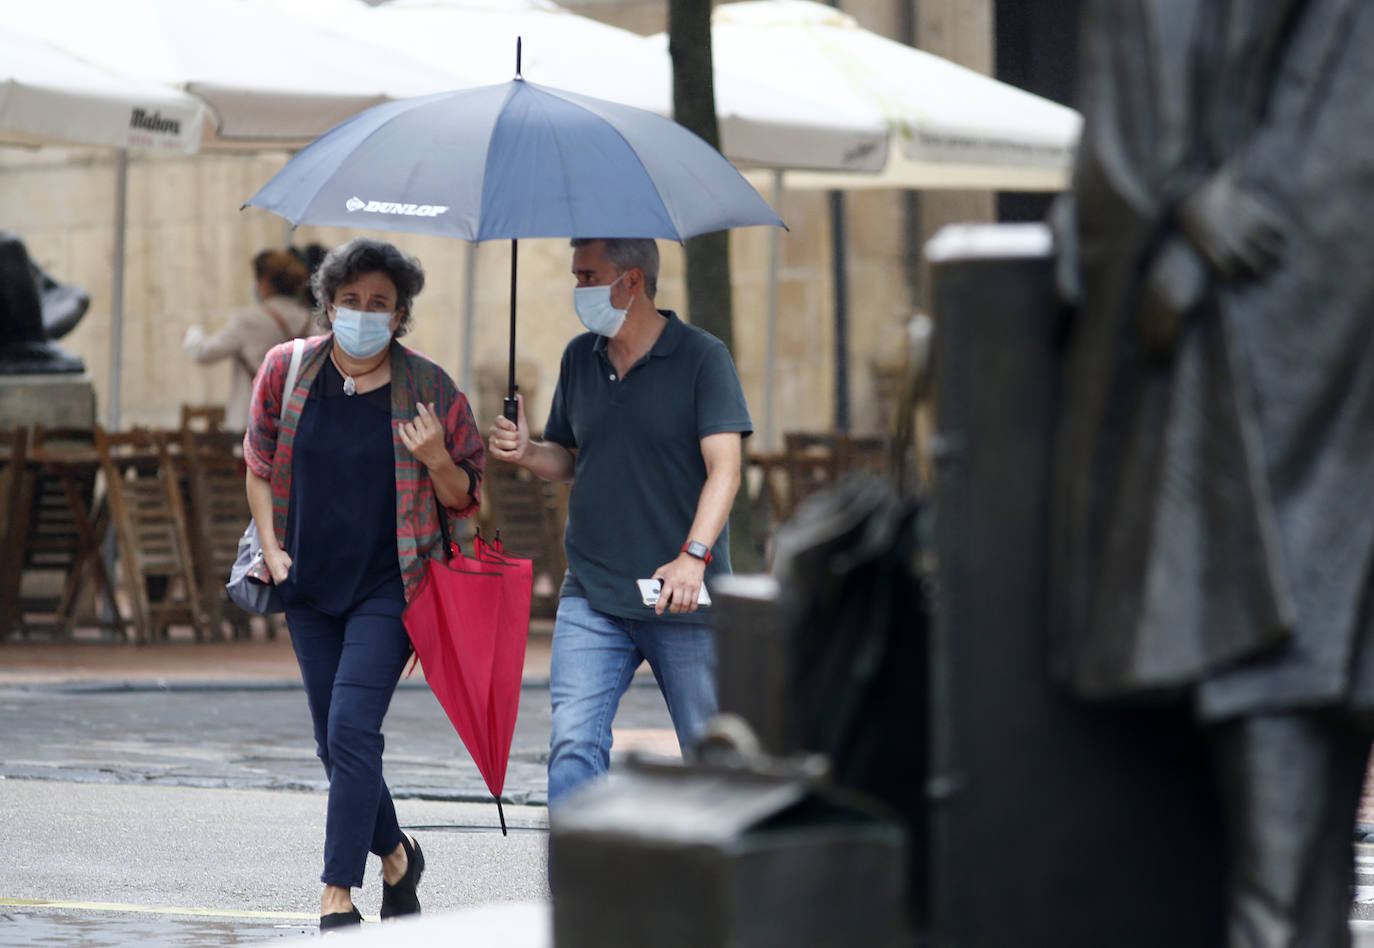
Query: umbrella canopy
pixel 760 124
pixel 469 625
pixel 514 160
pixel 50 97
pixel 510 161
pixel 268 77
pixel 951 127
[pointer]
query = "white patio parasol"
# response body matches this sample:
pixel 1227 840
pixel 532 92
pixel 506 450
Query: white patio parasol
pixel 761 124
pixel 269 78
pixel 951 127
pixel 50 97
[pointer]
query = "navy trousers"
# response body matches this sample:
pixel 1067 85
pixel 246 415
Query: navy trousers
pixel 350 665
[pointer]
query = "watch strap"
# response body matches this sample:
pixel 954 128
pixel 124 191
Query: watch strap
pixel 697 549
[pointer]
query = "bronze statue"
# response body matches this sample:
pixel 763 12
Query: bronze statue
pixel 34 309
pixel 1213 543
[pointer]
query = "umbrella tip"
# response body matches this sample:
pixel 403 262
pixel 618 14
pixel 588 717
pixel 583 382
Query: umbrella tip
pixel 517 57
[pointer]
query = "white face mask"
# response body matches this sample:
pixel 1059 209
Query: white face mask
pixel 361 335
pixel 593 305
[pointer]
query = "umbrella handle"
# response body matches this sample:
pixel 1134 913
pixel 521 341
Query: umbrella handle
pixel 510 407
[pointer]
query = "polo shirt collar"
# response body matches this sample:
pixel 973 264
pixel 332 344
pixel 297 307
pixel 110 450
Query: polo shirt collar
pixel 667 340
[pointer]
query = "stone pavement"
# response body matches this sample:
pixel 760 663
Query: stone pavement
pixel 184 660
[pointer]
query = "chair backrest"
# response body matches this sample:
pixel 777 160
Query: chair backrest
pixel 202 417
pixel 814 461
pixel 14 447
pixel 147 510
pixel 529 513
pixel 219 502
pixel 53 538
pixel 14 478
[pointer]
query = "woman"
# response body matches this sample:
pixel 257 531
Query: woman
pixel 277 313
pixel 346 492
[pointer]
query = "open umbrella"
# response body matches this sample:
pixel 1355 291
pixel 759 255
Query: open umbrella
pixel 514 160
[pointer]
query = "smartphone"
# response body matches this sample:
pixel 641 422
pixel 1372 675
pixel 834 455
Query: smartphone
pixel 648 592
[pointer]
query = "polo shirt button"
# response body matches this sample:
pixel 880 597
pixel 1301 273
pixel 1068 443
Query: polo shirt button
pixel 611 376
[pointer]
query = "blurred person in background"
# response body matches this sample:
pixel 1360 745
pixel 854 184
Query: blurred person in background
pixel 279 312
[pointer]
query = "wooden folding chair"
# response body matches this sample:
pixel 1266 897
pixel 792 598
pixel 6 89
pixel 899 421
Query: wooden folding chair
pixel 202 417
pixel 812 463
pixel 59 527
pixel 14 446
pixel 151 531
pixel 530 514
pixel 219 512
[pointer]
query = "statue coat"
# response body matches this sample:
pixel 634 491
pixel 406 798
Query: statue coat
pixel 1211 533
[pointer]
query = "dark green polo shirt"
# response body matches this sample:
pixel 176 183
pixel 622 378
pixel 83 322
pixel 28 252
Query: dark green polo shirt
pixel 639 469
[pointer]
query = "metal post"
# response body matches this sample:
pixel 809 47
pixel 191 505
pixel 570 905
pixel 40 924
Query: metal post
pixel 770 351
pixel 837 240
pixel 117 285
pixel 465 381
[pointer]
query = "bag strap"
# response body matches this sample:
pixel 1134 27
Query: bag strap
pixel 245 365
pixel 281 323
pixel 297 347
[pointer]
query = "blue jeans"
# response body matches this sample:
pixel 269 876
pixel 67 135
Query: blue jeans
pixel 594 659
pixel 350 665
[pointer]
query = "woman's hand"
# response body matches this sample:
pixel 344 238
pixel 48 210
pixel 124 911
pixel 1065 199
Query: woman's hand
pixel 278 564
pixel 424 437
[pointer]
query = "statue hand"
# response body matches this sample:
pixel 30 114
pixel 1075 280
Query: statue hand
pixel 1174 287
pixel 1236 232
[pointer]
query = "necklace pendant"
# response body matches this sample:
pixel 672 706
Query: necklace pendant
pixel 350 387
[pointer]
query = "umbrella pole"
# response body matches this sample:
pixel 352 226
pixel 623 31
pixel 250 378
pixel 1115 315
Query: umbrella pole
pixel 502 815
pixel 511 408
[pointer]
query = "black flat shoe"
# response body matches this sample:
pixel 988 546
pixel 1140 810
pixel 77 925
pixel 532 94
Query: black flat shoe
pixel 400 899
pixel 341 919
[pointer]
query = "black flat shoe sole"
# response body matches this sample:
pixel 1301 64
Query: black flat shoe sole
pixel 341 919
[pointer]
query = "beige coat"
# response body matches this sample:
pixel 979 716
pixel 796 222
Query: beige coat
pixel 250 332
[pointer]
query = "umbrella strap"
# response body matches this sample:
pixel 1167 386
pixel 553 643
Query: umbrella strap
pixel 443 528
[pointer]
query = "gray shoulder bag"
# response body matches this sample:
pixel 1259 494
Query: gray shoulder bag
pixel 249 594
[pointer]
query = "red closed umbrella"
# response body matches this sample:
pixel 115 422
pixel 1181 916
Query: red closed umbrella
pixel 469 625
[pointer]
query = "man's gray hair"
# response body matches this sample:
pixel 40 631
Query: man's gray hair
pixel 366 255
pixel 630 253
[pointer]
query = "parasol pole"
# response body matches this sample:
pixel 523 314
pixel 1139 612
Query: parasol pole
pixel 511 408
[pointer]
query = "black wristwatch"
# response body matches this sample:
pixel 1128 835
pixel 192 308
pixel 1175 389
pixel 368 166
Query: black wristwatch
pixel 697 549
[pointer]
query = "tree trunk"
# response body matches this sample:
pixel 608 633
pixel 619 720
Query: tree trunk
pixel 708 256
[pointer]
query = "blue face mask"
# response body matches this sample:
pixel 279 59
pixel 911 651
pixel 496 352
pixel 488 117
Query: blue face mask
pixel 361 335
pixel 593 305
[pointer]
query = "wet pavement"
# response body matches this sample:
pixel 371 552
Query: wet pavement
pixel 257 735
pixel 178 810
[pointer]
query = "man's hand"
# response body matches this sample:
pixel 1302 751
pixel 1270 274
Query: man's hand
pixel 424 437
pixel 508 441
pixel 682 580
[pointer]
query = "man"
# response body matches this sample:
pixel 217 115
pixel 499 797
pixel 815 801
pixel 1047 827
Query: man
pixel 1217 415
pixel 647 423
